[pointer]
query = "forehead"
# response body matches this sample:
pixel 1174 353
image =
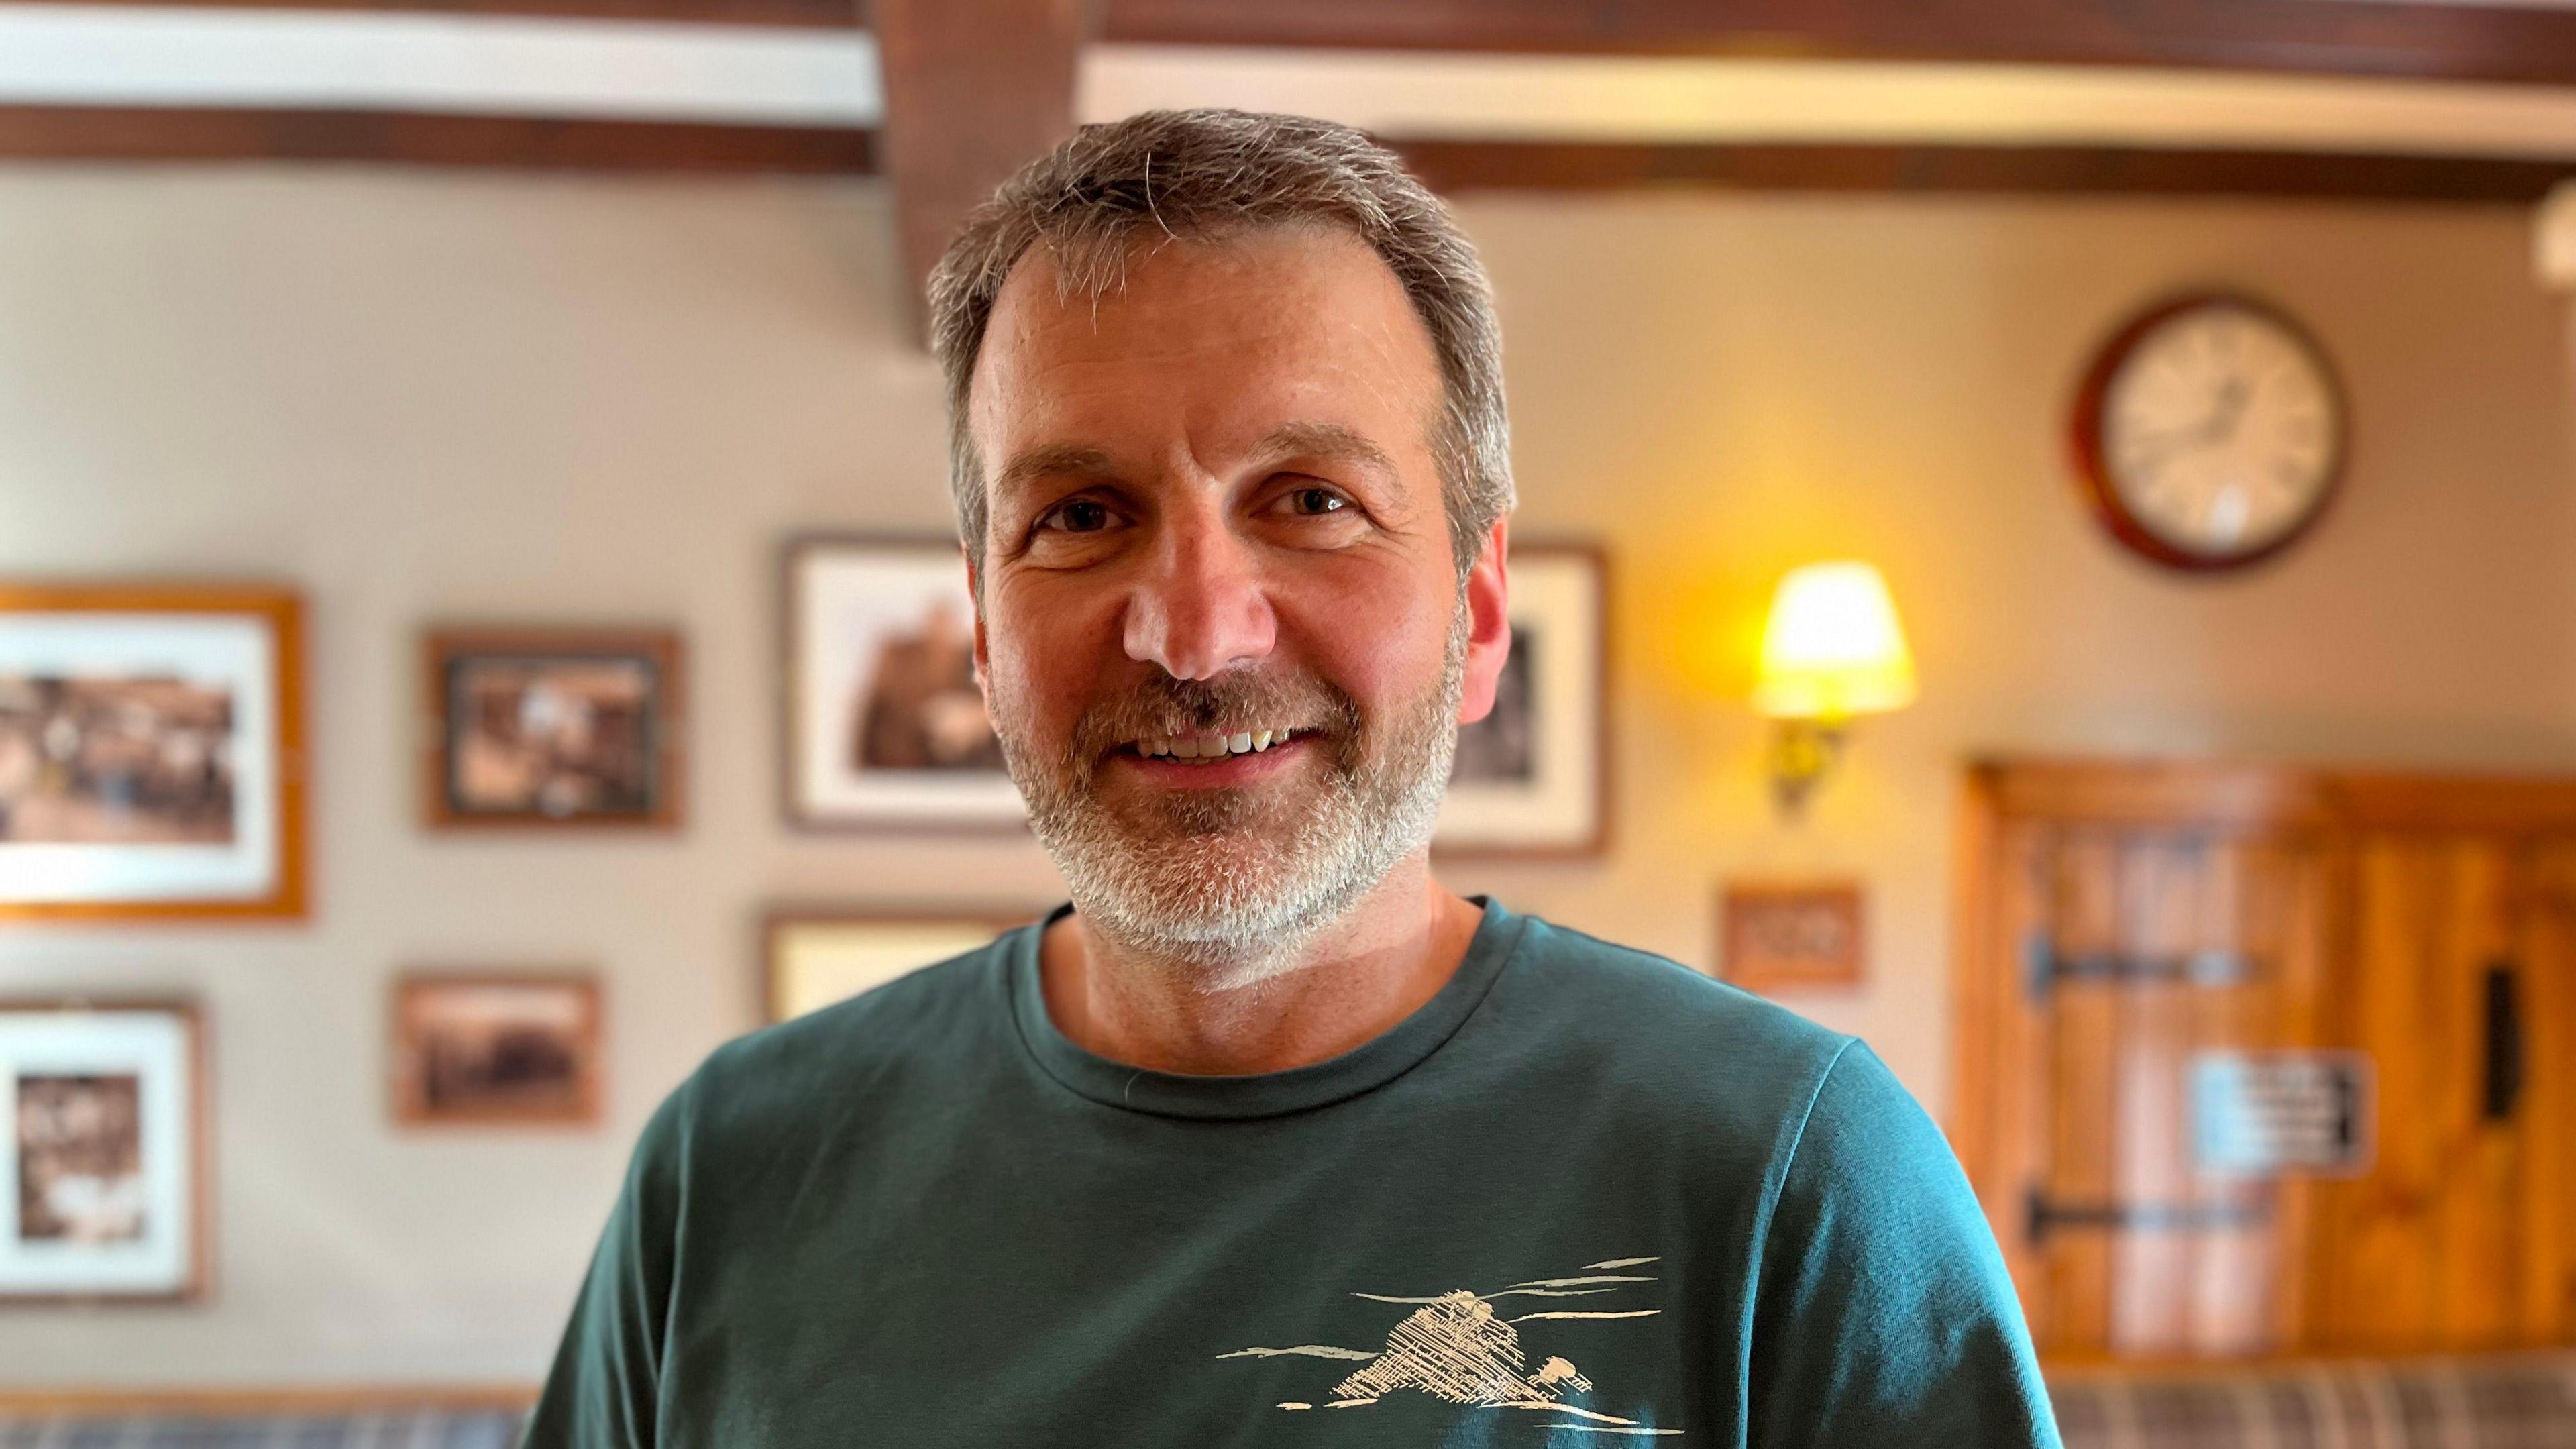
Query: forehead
pixel 1223 341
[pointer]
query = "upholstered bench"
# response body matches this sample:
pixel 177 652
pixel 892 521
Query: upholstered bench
pixel 2525 1401
pixel 393 1427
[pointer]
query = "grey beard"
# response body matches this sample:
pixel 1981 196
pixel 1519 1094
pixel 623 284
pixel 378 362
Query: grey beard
pixel 1205 889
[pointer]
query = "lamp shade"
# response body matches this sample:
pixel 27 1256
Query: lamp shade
pixel 1833 648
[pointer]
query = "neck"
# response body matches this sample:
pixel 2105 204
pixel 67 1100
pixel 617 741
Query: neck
pixel 1343 986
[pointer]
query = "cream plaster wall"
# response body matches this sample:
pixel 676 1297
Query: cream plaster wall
pixel 437 396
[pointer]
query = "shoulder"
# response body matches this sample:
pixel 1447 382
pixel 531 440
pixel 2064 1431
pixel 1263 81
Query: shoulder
pixel 1653 1006
pixel 865 1048
pixel 1669 1042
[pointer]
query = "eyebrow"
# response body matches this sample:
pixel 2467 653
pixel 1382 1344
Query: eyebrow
pixel 1048 461
pixel 1325 440
pixel 1290 440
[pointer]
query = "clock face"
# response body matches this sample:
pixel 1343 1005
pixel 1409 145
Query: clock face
pixel 2212 434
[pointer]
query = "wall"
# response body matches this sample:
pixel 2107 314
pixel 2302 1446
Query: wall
pixel 429 397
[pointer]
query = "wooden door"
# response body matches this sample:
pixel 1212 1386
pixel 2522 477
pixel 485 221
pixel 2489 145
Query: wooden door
pixel 2119 924
pixel 2155 947
pixel 2455 983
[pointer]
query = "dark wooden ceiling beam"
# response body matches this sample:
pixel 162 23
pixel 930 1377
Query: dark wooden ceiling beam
pixel 972 91
pixel 1455 166
pixel 407 138
pixel 2343 37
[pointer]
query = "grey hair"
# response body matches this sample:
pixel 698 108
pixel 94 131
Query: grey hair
pixel 1205 175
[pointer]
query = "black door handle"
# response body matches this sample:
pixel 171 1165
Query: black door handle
pixel 2504 1043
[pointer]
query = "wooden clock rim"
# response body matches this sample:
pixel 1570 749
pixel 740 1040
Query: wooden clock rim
pixel 2092 470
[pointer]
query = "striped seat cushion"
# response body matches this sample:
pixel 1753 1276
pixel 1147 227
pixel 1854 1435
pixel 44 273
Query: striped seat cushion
pixel 2515 1402
pixel 425 1429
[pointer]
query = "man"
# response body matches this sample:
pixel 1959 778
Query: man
pixel 1267 1138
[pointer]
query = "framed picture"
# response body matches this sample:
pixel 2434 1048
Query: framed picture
pixel 103 1184
pixel 552 727
pixel 1791 937
pixel 479 1048
pixel 816 956
pixel 886 729
pixel 151 752
pixel 1532 778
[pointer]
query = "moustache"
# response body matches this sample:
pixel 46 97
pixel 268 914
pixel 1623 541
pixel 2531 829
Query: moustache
pixel 1164 705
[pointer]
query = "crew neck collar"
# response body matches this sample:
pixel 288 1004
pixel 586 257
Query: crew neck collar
pixel 1371 1064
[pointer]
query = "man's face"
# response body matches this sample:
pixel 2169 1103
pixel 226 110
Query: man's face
pixel 1222 631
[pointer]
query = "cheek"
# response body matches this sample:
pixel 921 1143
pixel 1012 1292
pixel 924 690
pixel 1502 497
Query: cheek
pixel 1380 637
pixel 1048 648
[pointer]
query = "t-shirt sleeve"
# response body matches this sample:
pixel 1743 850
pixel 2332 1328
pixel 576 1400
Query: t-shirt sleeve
pixel 1883 1313
pixel 606 1382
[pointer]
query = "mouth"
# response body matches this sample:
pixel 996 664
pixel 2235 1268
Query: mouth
pixel 1211 747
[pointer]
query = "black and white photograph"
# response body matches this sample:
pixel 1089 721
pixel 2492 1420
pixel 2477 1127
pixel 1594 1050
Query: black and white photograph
pixel 886 729
pixel 102 1191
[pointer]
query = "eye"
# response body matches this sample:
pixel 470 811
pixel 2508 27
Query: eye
pixel 1078 515
pixel 1311 502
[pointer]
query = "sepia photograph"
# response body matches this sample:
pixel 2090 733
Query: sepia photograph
pixel 151 760
pixel 886 727
pixel 80 1158
pixel 814 956
pixel 104 1154
pixel 102 760
pixel 477 1048
pixel 548 727
pixel 1529 777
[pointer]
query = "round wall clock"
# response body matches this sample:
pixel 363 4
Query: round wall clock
pixel 2209 433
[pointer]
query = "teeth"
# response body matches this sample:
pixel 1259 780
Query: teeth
pixel 1209 747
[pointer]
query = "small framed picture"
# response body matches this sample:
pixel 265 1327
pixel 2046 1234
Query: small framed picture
pixel 103 1186
pixel 151 752
pixel 815 956
pixel 552 727
pixel 480 1048
pixel 1532 778
pixel 886 729
pixel 1795 937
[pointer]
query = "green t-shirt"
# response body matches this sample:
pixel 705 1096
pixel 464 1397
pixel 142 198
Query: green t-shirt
pixel 1582 1191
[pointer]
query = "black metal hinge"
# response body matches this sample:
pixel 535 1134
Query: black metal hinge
pixel 2048 1215
pixel 2044 967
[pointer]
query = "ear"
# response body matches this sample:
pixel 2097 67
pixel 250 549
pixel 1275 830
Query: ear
pixel 975 603
pixel 1489 625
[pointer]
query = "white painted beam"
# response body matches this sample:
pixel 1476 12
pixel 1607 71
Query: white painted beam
pixel 485 65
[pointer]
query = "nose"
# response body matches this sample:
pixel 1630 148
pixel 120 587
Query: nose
pixel 1200 607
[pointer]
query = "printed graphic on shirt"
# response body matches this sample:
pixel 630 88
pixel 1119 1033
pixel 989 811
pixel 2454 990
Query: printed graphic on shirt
pixel 1466 1348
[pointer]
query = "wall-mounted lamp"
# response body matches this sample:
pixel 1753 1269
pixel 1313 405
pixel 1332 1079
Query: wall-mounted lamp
pixel 1832 650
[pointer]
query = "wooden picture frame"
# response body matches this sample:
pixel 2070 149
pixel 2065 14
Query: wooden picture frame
pixel 847 949
pixel 860 753
pixel 1793 936
pixel 498 1048
pixel 121 1078
pixel 1533 779
pixel 486 764
pixel 152 752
